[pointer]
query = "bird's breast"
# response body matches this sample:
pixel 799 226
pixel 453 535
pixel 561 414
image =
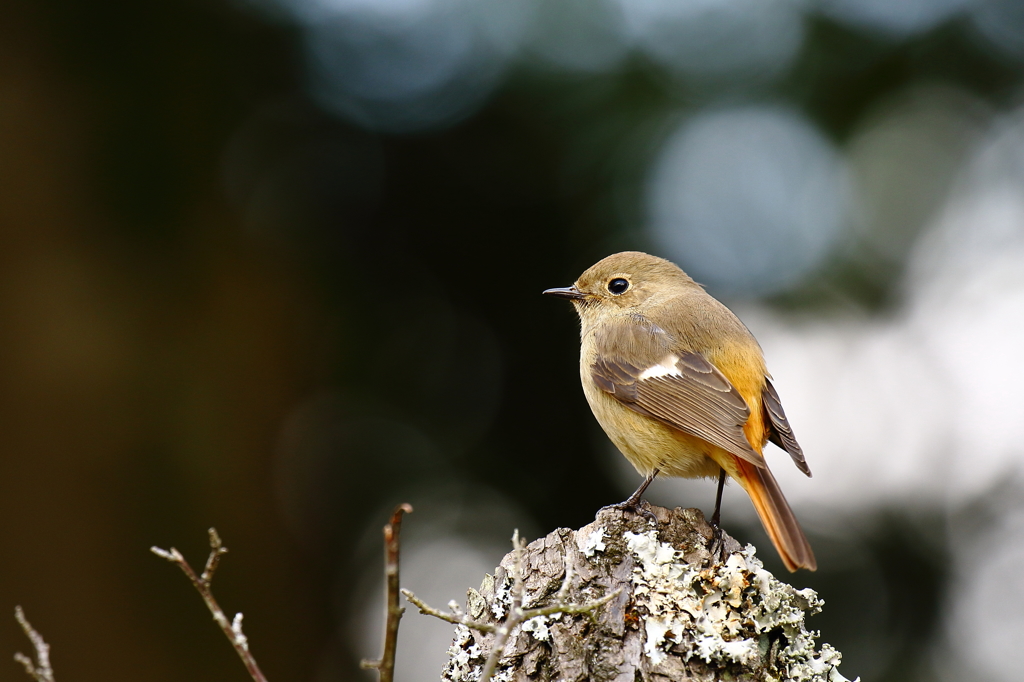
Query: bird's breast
pixel 647 443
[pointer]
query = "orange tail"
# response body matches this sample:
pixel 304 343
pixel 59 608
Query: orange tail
pixel 776 516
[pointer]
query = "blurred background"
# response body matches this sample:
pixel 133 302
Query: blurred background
pixel 275 266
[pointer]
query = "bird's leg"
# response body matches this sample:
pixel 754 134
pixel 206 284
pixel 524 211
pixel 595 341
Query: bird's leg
pixel 635 503
pixel 718 542
pixel 634 499
pixel 717 516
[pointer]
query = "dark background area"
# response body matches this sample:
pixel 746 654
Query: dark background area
pixel 223 303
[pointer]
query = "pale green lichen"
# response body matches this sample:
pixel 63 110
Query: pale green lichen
pixel 461 657
pixel 721 613
pixel 502 600
pixel 538 627
pixel 591 542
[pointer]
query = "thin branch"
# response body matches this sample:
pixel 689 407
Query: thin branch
pixel 571 608
pixel 40 670
pixel 454 619
pixel 386 665
pixel 516 613
pixel 232 629
pixel 217 550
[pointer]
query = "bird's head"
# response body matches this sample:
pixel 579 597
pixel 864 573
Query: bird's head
pixel 622 281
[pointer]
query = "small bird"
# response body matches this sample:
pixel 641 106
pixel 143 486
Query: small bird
pixel 680 386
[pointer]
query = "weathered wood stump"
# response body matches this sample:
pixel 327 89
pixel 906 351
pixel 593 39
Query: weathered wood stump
pixel 681 614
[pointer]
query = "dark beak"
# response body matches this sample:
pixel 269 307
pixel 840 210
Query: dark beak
pixel 572 293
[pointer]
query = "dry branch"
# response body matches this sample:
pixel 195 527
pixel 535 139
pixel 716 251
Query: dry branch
pixel 232 629
pixel 385 667
pixel 40 670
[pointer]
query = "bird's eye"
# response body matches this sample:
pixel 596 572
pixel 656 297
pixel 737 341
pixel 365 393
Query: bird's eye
pixel 618 286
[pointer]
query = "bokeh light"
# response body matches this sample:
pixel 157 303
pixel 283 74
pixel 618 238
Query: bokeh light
pixel 407 65
pixel 578 36
pixel 894 18
pixel 716 41
pixel 748 200
pixel 1002 23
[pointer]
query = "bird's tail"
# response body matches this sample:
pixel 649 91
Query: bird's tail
pixel 776 516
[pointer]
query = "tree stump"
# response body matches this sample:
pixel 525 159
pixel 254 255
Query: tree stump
pixel 680 615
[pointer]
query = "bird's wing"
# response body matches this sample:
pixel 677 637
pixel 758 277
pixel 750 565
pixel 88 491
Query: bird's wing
pixel 636 366
pixel 781 432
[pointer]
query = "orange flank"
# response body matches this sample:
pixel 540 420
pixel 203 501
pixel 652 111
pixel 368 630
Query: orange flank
pixel 772 508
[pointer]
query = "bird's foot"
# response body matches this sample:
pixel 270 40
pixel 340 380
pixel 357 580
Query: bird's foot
pixel 638 506
pixel 717 546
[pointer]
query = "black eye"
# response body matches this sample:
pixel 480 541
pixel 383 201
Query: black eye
pixel 618 286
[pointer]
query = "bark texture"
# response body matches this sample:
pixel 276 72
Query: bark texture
pixel 679 616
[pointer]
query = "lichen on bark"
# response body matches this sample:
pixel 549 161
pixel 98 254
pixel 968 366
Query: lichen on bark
pixel 681 614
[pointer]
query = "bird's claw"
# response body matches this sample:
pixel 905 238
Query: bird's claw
pixel 641 507
pixel 716 549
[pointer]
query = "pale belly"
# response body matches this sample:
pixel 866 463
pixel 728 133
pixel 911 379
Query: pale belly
pixel 650 445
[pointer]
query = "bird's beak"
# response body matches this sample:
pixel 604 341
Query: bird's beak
pixel 572 293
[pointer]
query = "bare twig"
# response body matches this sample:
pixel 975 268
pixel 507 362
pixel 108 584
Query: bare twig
pixel 570 608
pixel 516 613
pixel 453 618
pixel 217 550
pixel 40 670
pixel 232 629
pixel 386 665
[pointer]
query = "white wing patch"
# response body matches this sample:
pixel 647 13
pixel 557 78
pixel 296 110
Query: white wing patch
pixel 666 367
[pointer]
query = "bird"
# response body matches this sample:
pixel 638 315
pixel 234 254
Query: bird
pixel 680 386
